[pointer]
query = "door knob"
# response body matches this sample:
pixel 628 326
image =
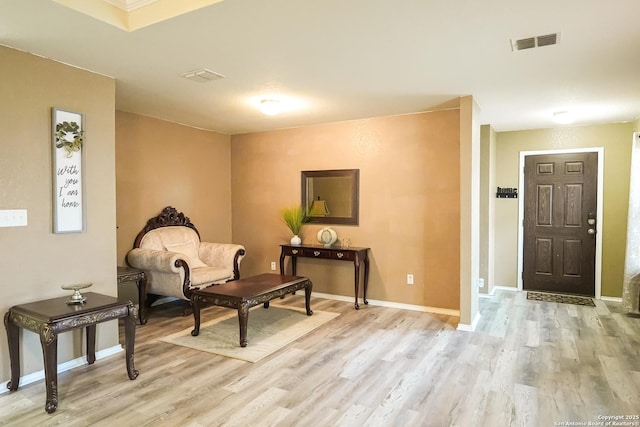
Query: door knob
pixel 591 231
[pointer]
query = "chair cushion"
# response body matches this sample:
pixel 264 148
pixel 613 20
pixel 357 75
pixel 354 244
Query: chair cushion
pixel 202 277
pixel 189 250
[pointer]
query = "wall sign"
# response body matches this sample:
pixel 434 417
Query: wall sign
pixel 507 193
pixel 68 185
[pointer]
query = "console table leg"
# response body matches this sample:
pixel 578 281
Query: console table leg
pixel 307 297
pixel 14 351
pixel 129 340
pixel 49 342
pixel 91 344
pixel 356 269
pixel 243 319
pixel 366 278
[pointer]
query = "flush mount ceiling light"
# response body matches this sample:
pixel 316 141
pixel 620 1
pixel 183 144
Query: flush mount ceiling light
pixel 563 117
pixel 270 107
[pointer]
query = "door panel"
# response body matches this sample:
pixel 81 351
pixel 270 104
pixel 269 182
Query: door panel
pixel 559 251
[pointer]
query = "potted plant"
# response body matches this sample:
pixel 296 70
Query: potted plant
pixel 295 217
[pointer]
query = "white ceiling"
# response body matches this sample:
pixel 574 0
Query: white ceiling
pixel 334 60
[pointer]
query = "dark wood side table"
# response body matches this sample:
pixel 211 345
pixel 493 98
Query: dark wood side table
pixel 352 254
pixel 50 317
pixel 129 274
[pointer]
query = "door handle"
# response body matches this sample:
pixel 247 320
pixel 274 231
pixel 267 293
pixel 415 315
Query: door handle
pixel 591 231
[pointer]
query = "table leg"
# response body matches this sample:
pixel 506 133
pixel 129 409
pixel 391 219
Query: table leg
pixel 195 302
pixel 91 344
pixel 307 297
pixel 129 340
pixel 14 351
pixel 366 278
pixel 356 268
pixel 282 262
pixel 49 342
pixel 243 319
pixel 142 299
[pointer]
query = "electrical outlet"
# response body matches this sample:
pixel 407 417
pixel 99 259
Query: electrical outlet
pixel 273 266
pixel 481 283
pixel 409 279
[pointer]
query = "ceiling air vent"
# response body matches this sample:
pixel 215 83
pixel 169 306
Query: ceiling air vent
pixel 202 76
pixel 538 41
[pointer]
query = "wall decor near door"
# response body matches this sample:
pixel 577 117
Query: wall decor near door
pixel 560 223
pixel 68 185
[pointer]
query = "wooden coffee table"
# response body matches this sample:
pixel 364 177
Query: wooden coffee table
pixel 246 293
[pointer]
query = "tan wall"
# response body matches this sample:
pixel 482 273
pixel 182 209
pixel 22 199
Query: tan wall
pixel 616 140
pixel 34 261
pixel 409 202
pixel 160 164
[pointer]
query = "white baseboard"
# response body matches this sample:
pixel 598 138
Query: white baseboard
pixel 390 304
pixel 612 299
pixel 66 366
pixel 504 288
pixel 469 328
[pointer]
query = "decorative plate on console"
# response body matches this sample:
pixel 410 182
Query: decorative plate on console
pixel 327 236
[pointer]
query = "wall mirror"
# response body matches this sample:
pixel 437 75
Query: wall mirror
pixel 331 196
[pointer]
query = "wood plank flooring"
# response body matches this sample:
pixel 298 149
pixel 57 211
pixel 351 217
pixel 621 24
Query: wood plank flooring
pixel 529 363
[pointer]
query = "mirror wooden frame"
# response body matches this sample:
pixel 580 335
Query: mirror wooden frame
pixel 353 174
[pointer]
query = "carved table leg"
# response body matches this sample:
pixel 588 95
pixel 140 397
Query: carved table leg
pixel 142 299
pixel 14 351
pixel 195 302
pixel 356 268
pixel 129 340
pixel 282 263
pixel 243 319
pixel 366 278
pixel 307 297
pixel 91 344
pixel 49 341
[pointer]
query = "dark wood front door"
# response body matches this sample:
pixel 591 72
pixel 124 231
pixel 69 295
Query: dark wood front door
pixel 560 208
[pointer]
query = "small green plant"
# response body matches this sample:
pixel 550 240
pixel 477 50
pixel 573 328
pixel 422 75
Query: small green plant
pixel 294 217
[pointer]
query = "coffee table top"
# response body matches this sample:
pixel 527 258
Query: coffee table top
pixel 252 286
pixel 57 308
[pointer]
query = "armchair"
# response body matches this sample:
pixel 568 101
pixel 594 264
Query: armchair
pixel 176 262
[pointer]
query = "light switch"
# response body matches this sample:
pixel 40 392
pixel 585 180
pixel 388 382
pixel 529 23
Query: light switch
pixel 13 218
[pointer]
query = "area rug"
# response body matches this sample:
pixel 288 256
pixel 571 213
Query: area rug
pixel 268 330
pixel 564 299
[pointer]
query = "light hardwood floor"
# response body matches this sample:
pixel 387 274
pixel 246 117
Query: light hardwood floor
pixel 528 363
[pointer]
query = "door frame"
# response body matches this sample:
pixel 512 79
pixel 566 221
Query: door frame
pixel 599 209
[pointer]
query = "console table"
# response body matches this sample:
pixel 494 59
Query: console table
pixel 352 254
pixel 129 274
pixel 50 317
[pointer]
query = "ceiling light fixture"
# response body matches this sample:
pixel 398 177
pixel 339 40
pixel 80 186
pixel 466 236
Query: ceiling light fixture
pixel 563 117
pixel 270 107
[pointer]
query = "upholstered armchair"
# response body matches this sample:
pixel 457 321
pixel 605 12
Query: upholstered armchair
pixel 174 259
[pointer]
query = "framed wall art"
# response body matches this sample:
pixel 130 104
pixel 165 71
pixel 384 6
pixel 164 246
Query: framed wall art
pixel 68 171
